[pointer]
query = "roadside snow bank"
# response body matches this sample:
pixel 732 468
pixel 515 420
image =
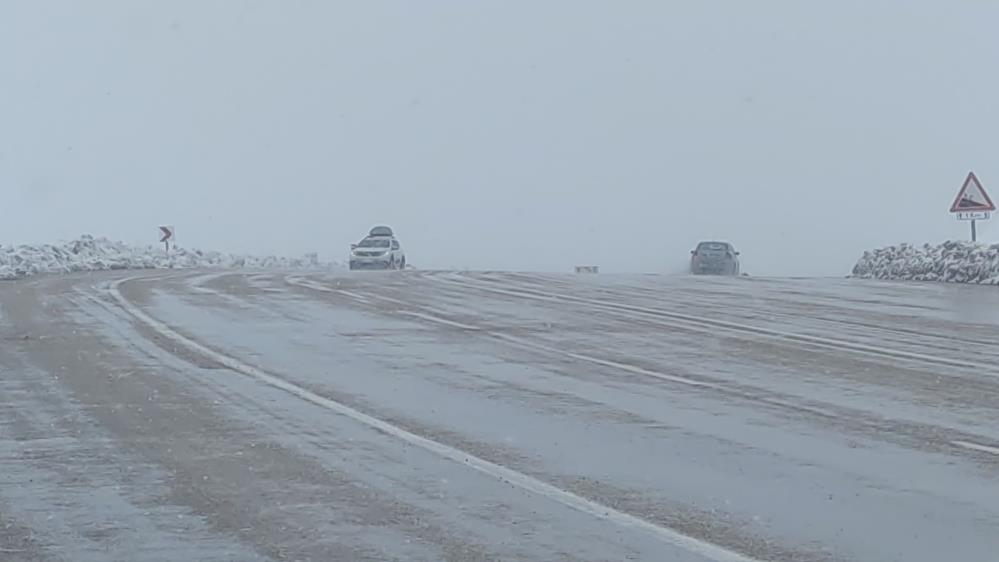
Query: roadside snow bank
pixel 100 254
pixel 951 262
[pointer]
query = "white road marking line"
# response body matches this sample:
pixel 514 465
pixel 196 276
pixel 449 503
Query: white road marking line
pixel 540 347
pixel 614 364
pixel 670 536
pixel 589 359
pixel 197 283
pixel 379 297
pixel 606 362
pixel 528 344
pixel 363 299
pixel 199 280
pixel 977 447
pixel 577 356
pixel 356 296
pixel 443 321
pixel 707 323
pixel 305 283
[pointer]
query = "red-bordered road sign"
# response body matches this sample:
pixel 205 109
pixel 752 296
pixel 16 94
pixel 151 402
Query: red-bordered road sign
pixel 972 197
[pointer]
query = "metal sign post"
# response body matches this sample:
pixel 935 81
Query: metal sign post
pixel 973 204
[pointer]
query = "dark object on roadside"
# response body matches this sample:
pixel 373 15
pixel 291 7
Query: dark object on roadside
pixel 714 258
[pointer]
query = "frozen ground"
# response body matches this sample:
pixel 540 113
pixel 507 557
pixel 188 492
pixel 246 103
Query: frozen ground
pixel 427 416
pixel 99 254
pixel 953 262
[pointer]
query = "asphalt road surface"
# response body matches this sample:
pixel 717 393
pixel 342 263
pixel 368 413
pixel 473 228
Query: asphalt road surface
pixel 426 416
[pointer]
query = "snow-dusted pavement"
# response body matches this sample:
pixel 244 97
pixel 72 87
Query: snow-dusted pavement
pixel 494 416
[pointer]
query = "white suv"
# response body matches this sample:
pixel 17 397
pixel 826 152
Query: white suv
pixel 378 250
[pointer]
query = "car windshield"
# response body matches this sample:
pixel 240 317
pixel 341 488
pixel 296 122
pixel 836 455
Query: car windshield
pixel 374 243
pixel 712 246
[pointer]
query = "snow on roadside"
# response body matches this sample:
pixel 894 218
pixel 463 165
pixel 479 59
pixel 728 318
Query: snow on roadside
pixel 100 254
pixel 950 262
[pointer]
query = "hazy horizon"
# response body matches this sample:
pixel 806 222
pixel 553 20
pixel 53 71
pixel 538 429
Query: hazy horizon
pixel 529 136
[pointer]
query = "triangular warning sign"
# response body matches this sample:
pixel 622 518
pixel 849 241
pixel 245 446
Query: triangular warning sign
pixel 972 197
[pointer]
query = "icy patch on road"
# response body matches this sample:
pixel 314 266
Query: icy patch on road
pixel 100 254
pixel 950 262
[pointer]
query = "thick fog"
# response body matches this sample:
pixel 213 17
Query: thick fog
pixel 500 135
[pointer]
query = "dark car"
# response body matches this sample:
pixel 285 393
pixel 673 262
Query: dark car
pixel 714 258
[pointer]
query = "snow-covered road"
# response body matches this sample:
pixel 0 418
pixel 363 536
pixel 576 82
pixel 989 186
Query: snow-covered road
pixel 213 415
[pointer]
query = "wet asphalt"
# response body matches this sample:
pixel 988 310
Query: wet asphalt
pixel 496 416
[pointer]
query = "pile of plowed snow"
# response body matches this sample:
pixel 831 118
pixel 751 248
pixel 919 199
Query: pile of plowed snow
pixel 100 254
pixel 951 262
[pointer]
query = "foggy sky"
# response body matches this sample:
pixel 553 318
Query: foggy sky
pixel 500 135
